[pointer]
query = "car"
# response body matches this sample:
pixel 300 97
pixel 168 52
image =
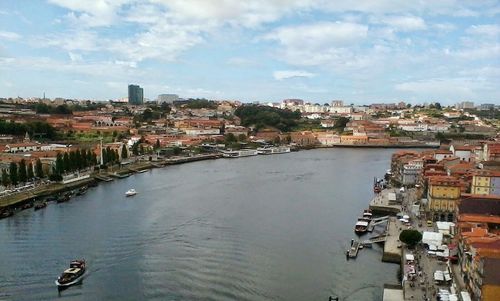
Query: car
pixel 429 223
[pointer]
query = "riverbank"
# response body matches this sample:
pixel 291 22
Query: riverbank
pixel 17 200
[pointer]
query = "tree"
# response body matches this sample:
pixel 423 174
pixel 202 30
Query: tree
pixel 23 176
pixel 242 137
pixel 230 138
pixel 157 145
pixel 104 156
pixel 30 171
pixel 437 105
pixel 410 237
pixel 124 152
pixel 135 148
pixel 13 173
pixel 59 164
pixel 5 178
pixel 78 159
pixel 73 161
pixel 66 165
pixel 38 169
pixel 341 122
pixel 116 156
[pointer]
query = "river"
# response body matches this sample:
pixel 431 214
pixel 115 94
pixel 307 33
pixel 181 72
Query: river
pixel 259 228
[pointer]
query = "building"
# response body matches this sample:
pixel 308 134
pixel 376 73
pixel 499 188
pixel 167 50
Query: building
pixel 337 103
pixel 464 105
pixel 135 95
pixel 167 98
pixel 485 182
pixel 443 194
pixel 486 107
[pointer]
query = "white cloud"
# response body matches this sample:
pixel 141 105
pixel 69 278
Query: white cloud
pixel 489 30
pixel 286 74
pixel 319 35
pixel 8 35
pixel 448 88
pixel 404 23
pixel 75 57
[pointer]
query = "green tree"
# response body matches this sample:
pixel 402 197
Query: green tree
pixel 124 152
pixel 5 178
pixel 157 145
pixel 14 179
pixel 78 159
pixel 72 161
pixel 230 138
pixel 67 164
pixel 31 175
pixel 116 156
pixel 94 158
pixel 23 176
pixel 59 164
pixel 410 237
pixel 104 156
pixel 242 137
pixel 39 169
pixel 135 148
pixel 341 122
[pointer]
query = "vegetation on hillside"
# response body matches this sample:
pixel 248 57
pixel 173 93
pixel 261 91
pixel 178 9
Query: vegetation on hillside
pixel 262 116
pixel 33 128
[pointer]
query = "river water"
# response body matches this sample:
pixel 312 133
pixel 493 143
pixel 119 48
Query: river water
pixel 259 228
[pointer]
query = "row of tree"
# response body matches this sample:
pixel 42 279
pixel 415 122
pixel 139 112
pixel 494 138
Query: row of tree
pixel 22 172
pixel 74 160
pixel 34 128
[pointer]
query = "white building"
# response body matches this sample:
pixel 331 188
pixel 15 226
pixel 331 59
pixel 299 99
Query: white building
pixel 198 131
pixel 168 98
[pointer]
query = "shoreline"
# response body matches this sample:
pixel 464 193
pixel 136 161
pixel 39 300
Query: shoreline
pixel 16 201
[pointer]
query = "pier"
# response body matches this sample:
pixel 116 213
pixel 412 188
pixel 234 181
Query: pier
pixel 353 251
pixel 386 202
pixel 103 178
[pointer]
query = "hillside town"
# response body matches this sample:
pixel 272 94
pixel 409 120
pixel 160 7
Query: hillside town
pixel 49 146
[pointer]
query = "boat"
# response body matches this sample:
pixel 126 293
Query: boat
pixel 40 206
pixel 131 192
pixel 82 191
pixel 273 150
pixel 142 170
pixel 27 206
pixel 73 275
pixel 361 226
pixel 239 153
pixel 64 198
pixel 6 213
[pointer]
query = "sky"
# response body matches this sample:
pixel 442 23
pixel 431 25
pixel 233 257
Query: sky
pixel 362 51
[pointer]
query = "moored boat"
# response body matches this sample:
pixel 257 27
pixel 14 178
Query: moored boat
pixel 73 275
pixel 131 192
pixel 82 191
pixel 361 226
pixel 40 205
pixel 6 213
pixel 27 206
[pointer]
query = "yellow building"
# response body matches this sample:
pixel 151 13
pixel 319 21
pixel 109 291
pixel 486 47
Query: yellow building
pixel 442 195
pixel 486 182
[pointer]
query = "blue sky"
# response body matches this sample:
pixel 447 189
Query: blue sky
pixel 262 50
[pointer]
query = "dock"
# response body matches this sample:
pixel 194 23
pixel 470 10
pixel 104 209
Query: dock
pixel 103 178
pixel 392 246
pixel 377 221
pixel 353 251
pixel 386 202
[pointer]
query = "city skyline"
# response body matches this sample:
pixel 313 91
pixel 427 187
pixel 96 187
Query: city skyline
pixel 447 51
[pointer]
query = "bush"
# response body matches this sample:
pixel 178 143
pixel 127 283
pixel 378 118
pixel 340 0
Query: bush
pixel 410 237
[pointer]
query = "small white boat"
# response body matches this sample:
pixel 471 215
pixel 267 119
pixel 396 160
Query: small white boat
pixel 131 192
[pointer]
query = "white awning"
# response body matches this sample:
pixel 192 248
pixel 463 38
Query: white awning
pixel 409 257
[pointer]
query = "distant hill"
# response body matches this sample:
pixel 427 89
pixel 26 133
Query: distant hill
pixel 262 116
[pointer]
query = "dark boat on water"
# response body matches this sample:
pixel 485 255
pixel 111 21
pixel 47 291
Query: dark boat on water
pixel 73 275
pixel 27 206
pixel 81 191
pixel 64 198
pixel 40 205
pixel 6 213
